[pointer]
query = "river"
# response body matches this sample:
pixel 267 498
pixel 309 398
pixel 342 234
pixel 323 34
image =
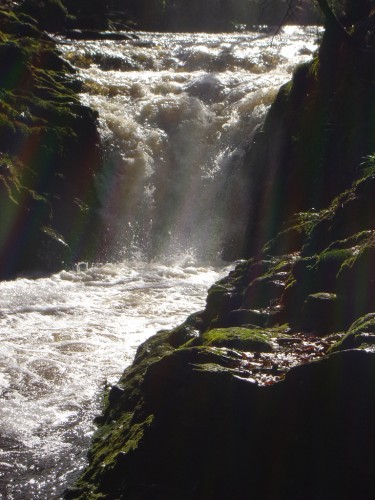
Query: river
pixel 176 112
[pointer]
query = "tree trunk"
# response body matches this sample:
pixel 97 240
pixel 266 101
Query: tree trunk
pixel 332 22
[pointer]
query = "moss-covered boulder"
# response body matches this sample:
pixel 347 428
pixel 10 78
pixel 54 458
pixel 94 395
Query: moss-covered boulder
pixel 243 339
pixel 202 431
pixel 361 334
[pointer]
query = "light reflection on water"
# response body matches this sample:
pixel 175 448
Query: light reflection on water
pixel 63 339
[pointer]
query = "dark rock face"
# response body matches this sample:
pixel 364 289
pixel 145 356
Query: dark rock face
pixel 203 431
pixel 311 150
pixel 49 153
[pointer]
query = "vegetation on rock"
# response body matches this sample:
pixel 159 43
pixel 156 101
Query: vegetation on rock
pixel 49 152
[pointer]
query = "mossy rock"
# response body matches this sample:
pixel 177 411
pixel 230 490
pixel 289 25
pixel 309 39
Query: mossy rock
pixel 288 241
pixel 262 291
pixel 243 339
pixel 360 335
pixel 41 112
pixel 355 283
pixel 253 317
pixel 222 298
pixel 314 275
pixel 191 439
pixel 51 15
pixel 181 335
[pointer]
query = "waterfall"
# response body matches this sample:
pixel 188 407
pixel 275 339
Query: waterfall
pixel 177 112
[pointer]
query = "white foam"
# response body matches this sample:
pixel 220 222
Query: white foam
pixel 176 124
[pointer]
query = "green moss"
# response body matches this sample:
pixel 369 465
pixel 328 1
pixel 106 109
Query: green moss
pixel 359 257
pixel 332 257
pixel 120 437
pixel 361 334
pixel 237 338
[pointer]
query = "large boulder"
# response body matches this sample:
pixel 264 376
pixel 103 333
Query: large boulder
pixel 204 431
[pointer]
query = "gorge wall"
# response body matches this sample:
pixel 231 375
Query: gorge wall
pixel 49 153
pixel 268 392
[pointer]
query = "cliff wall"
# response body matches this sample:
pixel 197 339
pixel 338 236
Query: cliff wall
pixel 49 153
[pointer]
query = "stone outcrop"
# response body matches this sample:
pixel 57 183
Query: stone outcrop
pixel 49 154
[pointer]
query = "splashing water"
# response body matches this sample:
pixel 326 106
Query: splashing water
pixel 176 115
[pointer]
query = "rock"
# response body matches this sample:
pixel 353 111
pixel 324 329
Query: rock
pixel 115 394
pixel 181 335
pixel 360 334
pixel 222 298
pixel 263 291
pixel 243 339
pixel 310 436
pixel 41 194
pixel 78 34
pixel 51 15
pixel 242 317
pixel 355 284
pixel 319 313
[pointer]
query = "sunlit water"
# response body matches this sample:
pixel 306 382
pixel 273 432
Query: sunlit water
pixel 176 114
pixel 63 339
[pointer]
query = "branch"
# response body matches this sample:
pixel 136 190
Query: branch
pixel 288 13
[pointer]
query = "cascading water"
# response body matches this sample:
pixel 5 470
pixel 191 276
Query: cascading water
pixel 176 113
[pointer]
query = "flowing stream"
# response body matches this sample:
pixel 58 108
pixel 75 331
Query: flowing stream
pixel 176 112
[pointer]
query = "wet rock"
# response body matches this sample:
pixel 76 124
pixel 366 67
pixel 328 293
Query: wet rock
pixel 241 317
pixel 221 299
pixel 181 335
pixel 115 394
pixel 263 291
pixel 252 317
pixel 79 34
pixel 315 428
